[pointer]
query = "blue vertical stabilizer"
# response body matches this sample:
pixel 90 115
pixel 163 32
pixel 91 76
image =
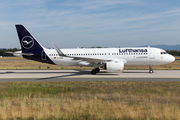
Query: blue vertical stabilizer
pixel 31 46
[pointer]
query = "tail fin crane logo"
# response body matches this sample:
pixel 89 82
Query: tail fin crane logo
pixel 27 42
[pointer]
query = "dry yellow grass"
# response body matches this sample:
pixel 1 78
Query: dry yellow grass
pixel 98 106
pixel 92 100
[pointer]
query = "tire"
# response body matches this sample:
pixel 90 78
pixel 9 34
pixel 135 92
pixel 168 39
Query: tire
pixel 93 72
pixel 97 70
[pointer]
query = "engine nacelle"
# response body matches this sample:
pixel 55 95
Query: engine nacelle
pixel 114 66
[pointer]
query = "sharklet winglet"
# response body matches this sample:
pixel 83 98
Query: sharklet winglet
pixel 60 53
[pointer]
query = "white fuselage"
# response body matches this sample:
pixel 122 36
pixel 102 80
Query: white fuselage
pixel 130 56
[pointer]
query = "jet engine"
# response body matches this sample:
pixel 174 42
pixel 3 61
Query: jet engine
pixel 114 66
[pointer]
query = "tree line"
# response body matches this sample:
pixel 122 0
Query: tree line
pixel 174 52
pixel 3 51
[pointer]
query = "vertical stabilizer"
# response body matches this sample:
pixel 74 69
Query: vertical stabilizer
pixel 27 41
pixel 31 48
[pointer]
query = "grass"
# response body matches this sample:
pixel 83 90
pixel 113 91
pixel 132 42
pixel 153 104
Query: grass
pixel 18 64
pixel 90 100
pixel 87 100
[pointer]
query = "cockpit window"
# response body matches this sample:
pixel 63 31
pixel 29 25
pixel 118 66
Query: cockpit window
pixel 163 53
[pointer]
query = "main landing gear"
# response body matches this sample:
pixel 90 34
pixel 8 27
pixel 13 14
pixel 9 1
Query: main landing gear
pixel 94 71
pixel 150 69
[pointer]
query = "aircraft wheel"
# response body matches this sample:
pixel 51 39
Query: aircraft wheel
pixel 93 72
pixel 150 69
pixel 97 70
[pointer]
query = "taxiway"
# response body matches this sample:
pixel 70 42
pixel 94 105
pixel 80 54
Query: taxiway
pixel 84 75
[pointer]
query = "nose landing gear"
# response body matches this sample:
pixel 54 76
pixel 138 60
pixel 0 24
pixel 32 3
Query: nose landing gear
pixel 150 69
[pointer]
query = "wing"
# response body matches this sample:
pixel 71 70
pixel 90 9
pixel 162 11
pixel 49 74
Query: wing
pixel 91 60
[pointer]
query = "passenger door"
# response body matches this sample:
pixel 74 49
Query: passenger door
pixel 151 54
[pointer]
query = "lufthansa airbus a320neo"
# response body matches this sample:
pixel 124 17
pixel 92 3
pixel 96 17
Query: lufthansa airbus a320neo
pixel 111 59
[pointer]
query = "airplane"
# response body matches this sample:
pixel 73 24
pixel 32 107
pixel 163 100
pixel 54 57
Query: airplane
pixel 111 59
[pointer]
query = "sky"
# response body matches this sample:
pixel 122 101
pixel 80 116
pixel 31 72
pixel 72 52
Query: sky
pixel 88 23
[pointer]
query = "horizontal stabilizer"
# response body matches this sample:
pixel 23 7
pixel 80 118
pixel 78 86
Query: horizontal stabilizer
pixel 27 54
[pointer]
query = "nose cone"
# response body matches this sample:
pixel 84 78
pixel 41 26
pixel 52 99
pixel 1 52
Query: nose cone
pixel 171 58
